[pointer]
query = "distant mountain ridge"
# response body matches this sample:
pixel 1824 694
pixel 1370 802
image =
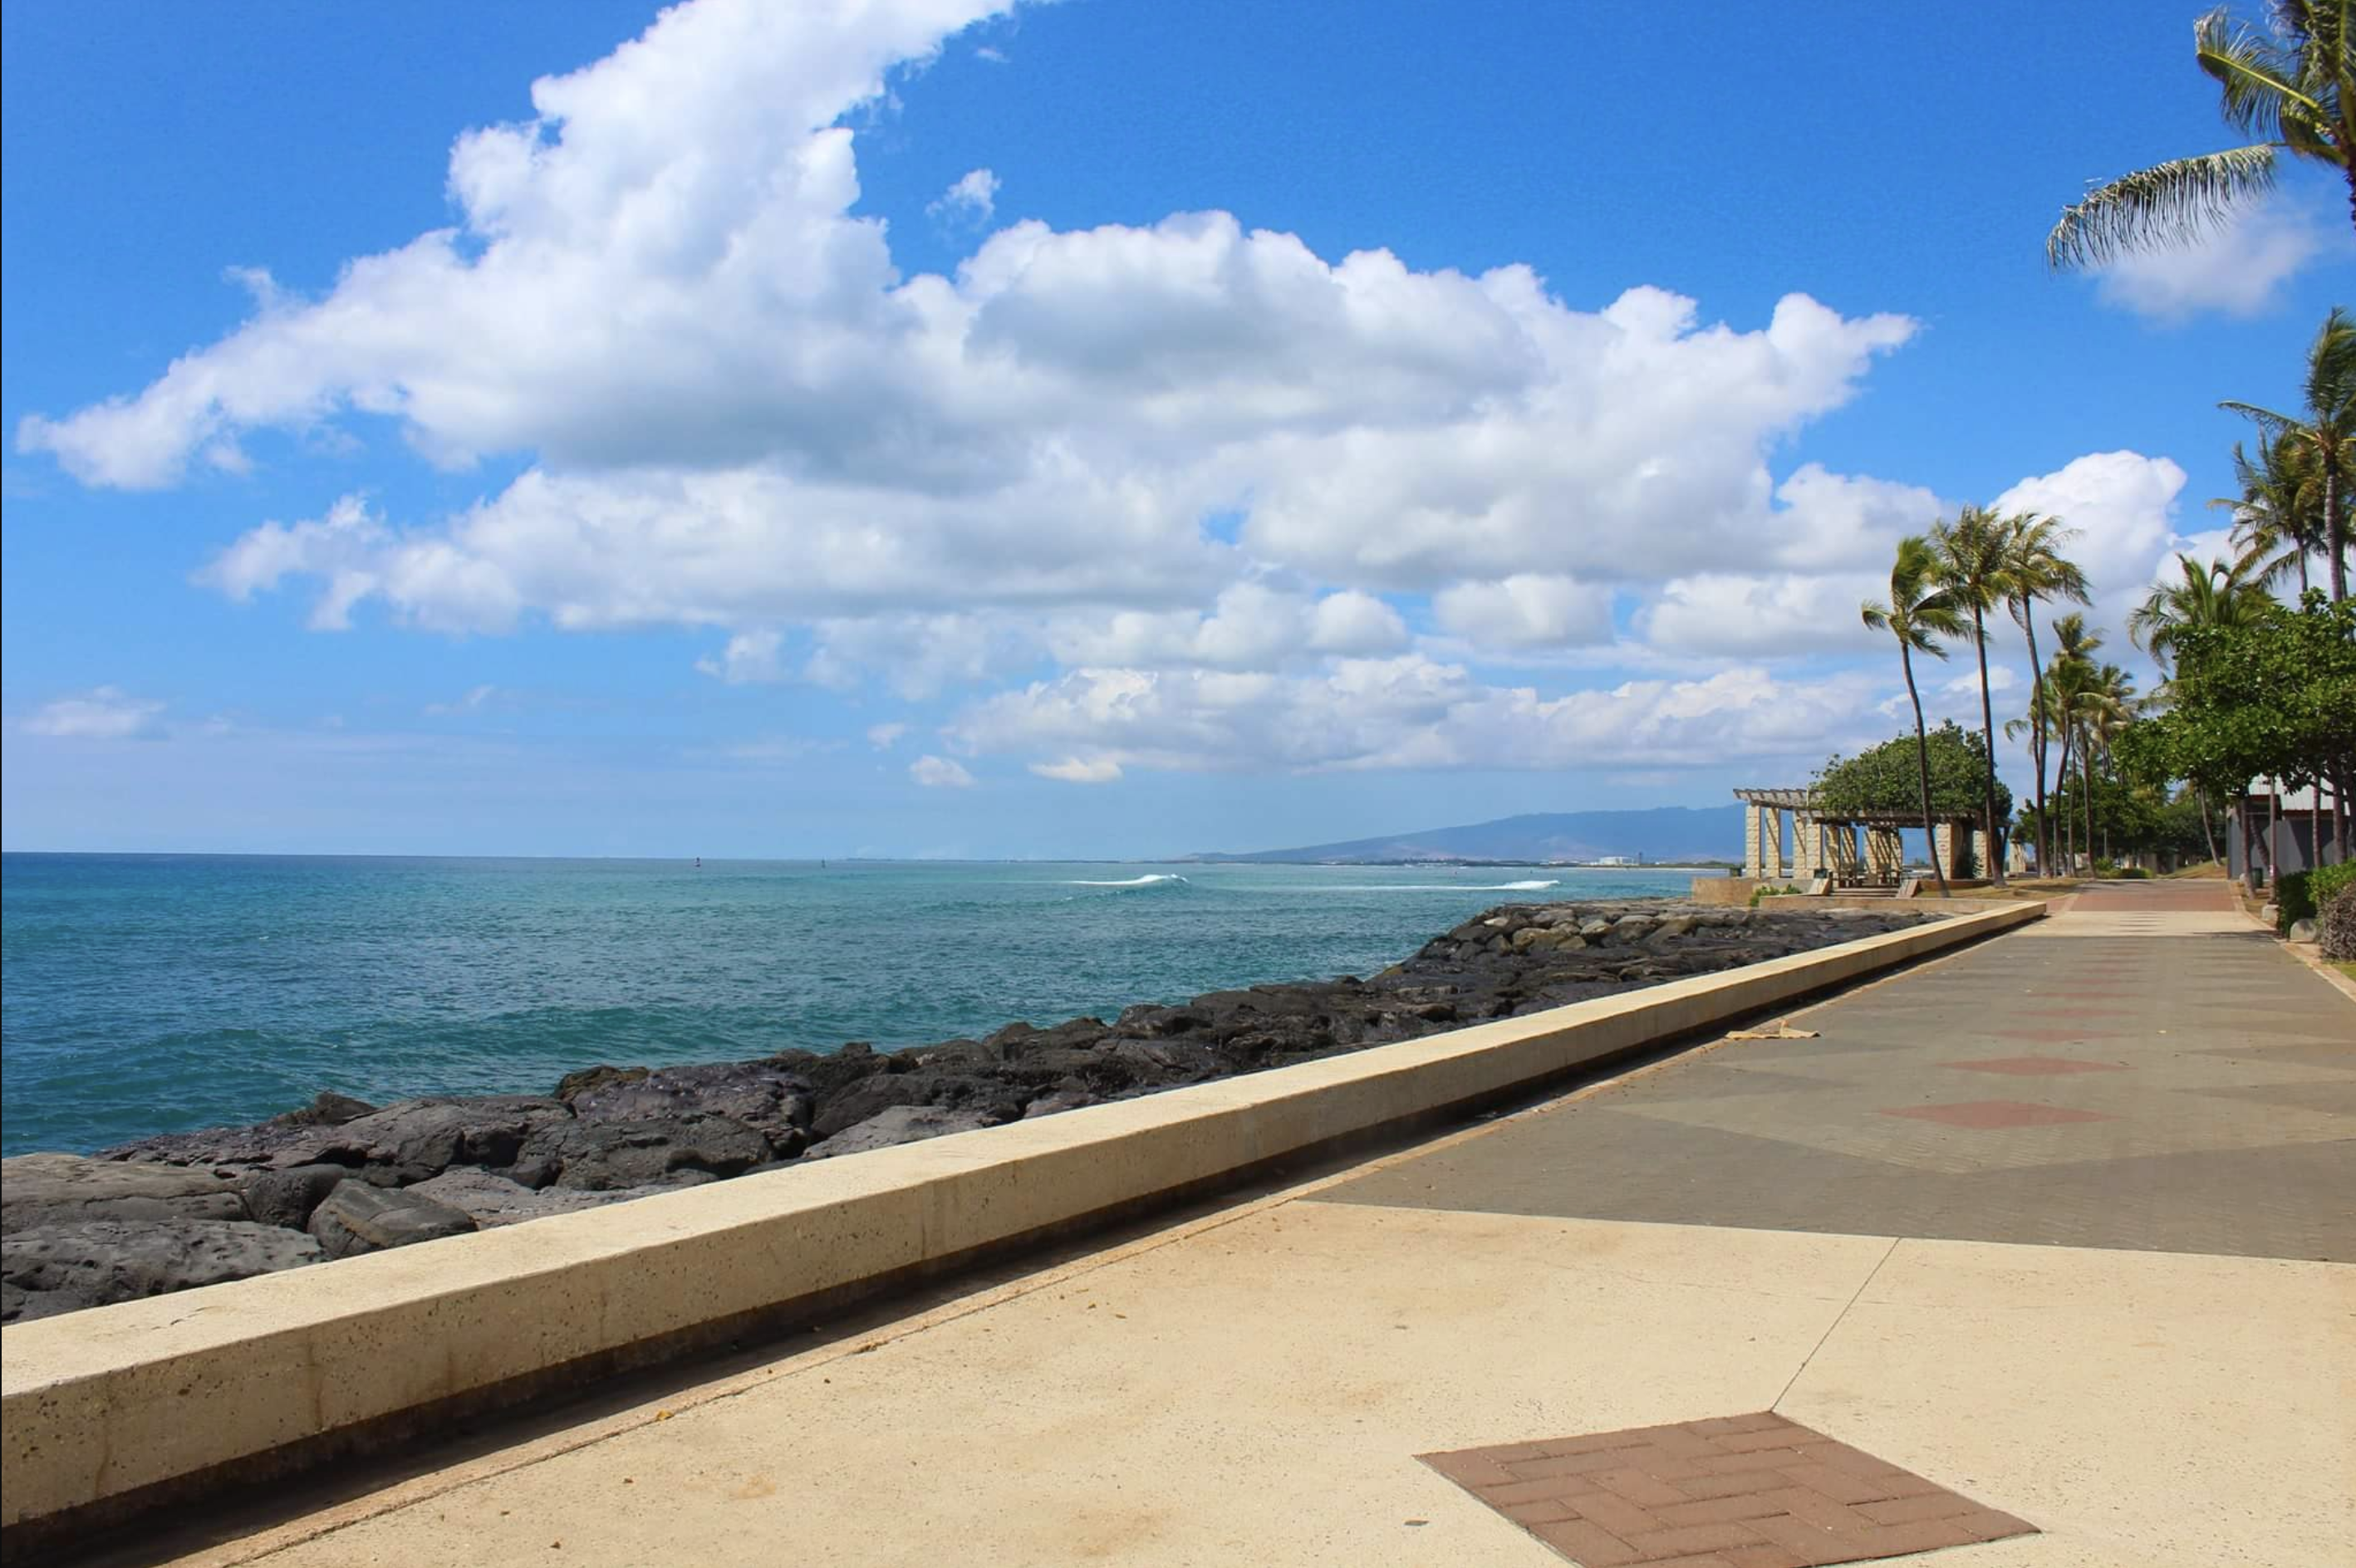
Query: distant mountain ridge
pixel 1659 833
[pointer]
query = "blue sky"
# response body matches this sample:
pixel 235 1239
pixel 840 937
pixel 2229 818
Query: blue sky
pixel 1102 428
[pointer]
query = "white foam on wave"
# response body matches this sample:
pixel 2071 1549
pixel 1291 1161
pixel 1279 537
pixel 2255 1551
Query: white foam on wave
pixel 1144 881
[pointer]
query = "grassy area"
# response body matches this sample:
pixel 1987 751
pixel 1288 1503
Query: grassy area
pixel 2205 869
pixel 2346 967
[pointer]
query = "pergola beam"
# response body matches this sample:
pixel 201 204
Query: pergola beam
pixel 1824 841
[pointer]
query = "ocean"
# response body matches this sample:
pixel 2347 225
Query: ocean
pixel 151 993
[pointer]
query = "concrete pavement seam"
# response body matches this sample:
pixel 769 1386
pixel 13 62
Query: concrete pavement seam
pixel 1839 1317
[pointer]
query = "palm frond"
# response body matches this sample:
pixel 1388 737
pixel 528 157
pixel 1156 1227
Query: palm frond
pixel 2266 418
pixel 2331 367
pixel 2179 200
pixel 2259 79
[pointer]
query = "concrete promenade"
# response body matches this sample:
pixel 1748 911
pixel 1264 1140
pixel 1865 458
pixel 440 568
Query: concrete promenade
pixel 2044 1252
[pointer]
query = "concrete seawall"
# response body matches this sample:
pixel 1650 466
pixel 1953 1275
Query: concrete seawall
pixel 124 1407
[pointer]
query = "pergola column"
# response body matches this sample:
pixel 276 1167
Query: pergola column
pixel 1771 844
pixel 1750 840
pixel 1884 853
pixel 1808 848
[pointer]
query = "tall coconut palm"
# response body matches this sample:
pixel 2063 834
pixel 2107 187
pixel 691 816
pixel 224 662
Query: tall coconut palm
pixel 2105 707
pixel 2069 696
pixel 2324 442
pixel 2289 85
pixel 2278 515
pixel 1974 565
pixel 2039 570
pixel 2217 594
pixel 1920 611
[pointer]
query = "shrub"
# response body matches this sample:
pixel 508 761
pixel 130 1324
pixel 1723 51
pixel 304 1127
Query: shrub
pixel 2335 895
pixel 2293 899
pixel 2324 885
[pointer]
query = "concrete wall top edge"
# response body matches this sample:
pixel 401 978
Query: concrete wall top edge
pixel 50 1352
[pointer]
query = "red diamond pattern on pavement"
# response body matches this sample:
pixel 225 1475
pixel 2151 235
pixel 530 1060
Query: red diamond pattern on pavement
pixel 2032 1066
pixel 1985 1116
pixel 1744 1491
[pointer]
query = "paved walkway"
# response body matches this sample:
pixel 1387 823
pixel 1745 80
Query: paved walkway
pixel 2053 1235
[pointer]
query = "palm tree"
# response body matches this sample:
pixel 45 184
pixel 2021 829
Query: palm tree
pixel 1973 564
pixel 2067 695
pixel 2212 595
pixel 2105 707
pixel 1920 611
pixel 2290 86
pixel 2324 442
pixel 2038 570
pixel 2278 515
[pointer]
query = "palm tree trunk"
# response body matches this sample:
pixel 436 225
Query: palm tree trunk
pixel 2340 816
pixel 2106 822
pixel 2069 823
pixel 2335 532
pixel 2273 831
pixel 1993 870
pixel 2037 737
pixel 2086 778
pixel 1922 766
pixel 2208 834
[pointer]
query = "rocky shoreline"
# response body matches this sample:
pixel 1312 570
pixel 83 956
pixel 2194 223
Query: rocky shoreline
pixel 340 1177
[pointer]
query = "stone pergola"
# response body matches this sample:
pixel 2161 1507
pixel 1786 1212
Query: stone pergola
pixel 1824 843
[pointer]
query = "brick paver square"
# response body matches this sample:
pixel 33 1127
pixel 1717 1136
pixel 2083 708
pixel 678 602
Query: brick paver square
pixel 2036 1066
pixel 1756 1491
pixel 1989 1116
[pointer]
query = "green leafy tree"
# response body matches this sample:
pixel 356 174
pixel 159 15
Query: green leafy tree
pixel 2271 697
pixel 1919 613
pixel 2038 571
pixel 2320 442
pixel 2290 86
pixel 1975 566
pixel 1885 778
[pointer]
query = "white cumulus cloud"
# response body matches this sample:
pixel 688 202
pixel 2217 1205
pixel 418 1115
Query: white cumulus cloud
pixel 1526 610
pixel 2238 269
pixel 1187 468
pixel 939 773
pixel 2123 505
pixel 971 200
pixel 750 657
pixel 1079 770
pixel 104 713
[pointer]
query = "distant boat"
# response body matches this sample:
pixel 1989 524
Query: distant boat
pixel 699 862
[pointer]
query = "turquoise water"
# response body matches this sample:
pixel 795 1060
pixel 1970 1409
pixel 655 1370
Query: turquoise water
pixel 144 993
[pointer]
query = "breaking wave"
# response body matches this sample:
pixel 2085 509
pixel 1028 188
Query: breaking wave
pixel 1148 881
